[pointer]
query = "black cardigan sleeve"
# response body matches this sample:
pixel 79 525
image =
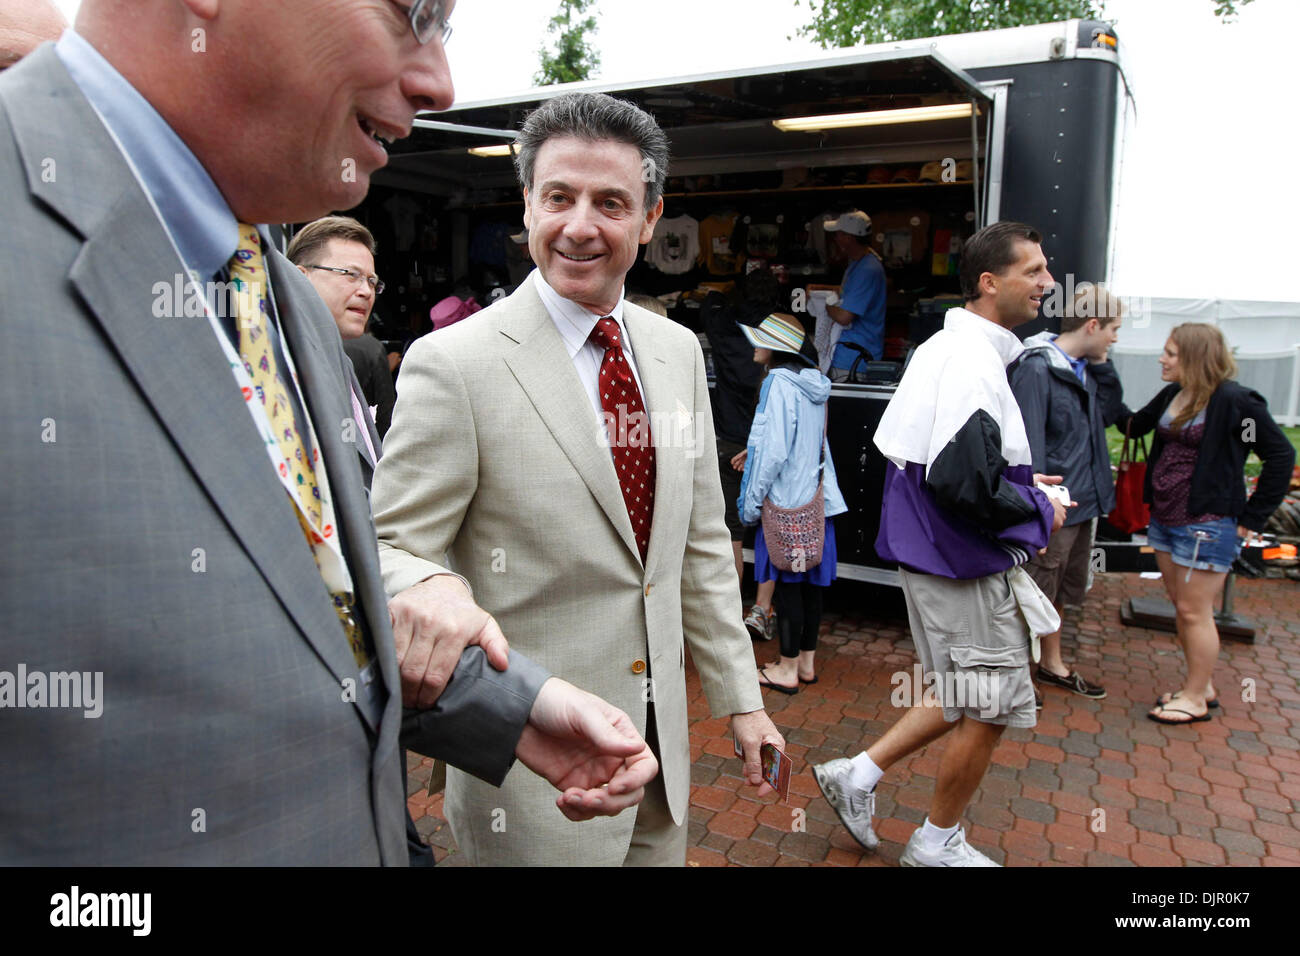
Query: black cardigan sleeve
pixel 1272 447
pixel 1139 423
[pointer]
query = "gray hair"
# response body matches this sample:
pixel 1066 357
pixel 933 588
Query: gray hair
pixel 594 117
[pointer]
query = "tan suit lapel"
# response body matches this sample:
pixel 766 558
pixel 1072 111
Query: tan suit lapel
pixel 663 386
pixel 543 368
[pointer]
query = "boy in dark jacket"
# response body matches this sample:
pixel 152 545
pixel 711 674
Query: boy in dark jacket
pixel 1065 386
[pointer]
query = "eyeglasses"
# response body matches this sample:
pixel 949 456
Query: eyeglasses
pixel 427 20
pixel 375 283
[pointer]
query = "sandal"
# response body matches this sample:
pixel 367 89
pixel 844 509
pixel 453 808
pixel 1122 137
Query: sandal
pixel 1192 718
pixel 765 681
pixel 1169 698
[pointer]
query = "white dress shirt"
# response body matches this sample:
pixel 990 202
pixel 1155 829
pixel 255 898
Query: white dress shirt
pixel 574 323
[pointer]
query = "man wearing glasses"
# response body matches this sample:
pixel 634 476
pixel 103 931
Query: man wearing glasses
pixel 337 254
pixel 195 618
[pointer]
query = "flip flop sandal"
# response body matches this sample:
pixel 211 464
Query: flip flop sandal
pixel 765 681
pixel 1174 710
pixel 1160 701
pixel 802 681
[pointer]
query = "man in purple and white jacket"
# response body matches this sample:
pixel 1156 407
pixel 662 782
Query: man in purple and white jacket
pixel 962 512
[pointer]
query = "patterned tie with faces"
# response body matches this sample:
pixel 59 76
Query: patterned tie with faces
pixel 248 277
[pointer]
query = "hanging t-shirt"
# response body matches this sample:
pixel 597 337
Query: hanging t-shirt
pixel 518 261
pixel 817 234
pixel 715 245
pixel 403 212
pixel 488 244
pixel 675 245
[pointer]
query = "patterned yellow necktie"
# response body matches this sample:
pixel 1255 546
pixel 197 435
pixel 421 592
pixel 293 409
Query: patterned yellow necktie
pixel 248 277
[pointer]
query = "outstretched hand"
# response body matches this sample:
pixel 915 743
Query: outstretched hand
pixel 586 748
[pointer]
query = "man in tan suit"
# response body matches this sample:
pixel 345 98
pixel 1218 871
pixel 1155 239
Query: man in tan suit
pixel 516 457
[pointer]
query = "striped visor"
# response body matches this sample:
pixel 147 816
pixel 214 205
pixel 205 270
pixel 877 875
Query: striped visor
pixel 776 333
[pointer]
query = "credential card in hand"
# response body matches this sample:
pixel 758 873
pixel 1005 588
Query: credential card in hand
pixel 776 770
pixel 776 767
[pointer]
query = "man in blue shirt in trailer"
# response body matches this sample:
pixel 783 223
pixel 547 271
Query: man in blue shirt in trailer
pixel 861 306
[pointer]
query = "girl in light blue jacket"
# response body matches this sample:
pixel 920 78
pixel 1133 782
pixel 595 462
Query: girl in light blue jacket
pixel 786 455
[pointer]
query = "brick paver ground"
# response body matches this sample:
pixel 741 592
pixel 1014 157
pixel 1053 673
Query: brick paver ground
pixel 1094 784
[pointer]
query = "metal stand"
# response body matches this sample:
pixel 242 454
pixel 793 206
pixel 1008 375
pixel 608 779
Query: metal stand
pixel 1159 615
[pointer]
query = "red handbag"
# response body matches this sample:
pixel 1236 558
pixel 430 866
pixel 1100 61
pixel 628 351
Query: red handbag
pixel 1131 513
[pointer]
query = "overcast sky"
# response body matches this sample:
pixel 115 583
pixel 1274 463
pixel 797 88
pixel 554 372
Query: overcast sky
pixel 1208 204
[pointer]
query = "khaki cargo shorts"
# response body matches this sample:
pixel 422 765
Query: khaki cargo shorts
pixel 973 645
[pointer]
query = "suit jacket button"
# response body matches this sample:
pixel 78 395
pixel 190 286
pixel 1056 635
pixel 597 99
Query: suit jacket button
pixel 648 588
pixel 638 666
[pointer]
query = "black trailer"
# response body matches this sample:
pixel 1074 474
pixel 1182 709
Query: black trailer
pixel 933 138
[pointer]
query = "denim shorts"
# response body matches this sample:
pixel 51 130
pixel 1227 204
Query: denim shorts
pixel 1216 553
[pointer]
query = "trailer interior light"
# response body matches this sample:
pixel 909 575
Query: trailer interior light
pixel 501 149
pixel 914 114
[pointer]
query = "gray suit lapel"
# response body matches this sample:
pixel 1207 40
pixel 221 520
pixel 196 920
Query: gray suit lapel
pixel 543 368
pixel 176 362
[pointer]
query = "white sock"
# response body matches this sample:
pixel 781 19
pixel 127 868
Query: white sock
pixel 864 774
pixel 934 836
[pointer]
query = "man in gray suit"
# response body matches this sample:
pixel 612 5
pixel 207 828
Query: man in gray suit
pixel 193 638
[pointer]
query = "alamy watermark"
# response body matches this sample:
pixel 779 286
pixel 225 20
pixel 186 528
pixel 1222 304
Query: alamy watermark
pixel 77 690
pixel 76 908
pixel 963 689
pixel 624 429
pixel 186 298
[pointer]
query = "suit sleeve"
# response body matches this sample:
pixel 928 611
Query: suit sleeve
pixel 1030 385
pixel 1272 447
pixel 711 613
pixel 479 716
pixel 428 474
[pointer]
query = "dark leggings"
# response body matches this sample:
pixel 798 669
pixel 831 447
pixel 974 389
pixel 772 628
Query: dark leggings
pixel 799 616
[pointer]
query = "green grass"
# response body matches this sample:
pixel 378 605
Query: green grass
pixel 1115 442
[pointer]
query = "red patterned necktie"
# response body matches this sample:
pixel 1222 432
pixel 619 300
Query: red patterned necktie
pixel 628 427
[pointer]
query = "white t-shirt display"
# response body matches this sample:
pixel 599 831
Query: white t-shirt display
pixel 675 245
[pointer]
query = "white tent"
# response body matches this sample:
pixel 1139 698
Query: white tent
pixel 1264 337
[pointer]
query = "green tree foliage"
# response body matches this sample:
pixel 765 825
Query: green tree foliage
pixel 1228 9
pixel 837 23
pixel 572 56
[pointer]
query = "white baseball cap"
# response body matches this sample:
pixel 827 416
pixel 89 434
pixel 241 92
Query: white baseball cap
pixel 855 222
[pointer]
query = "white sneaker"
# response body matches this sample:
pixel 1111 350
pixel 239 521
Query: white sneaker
pixel 854 807
pixel 760 624
pixel 955 852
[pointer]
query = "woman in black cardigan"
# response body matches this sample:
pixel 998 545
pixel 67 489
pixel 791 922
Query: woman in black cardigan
pixel 1205 425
